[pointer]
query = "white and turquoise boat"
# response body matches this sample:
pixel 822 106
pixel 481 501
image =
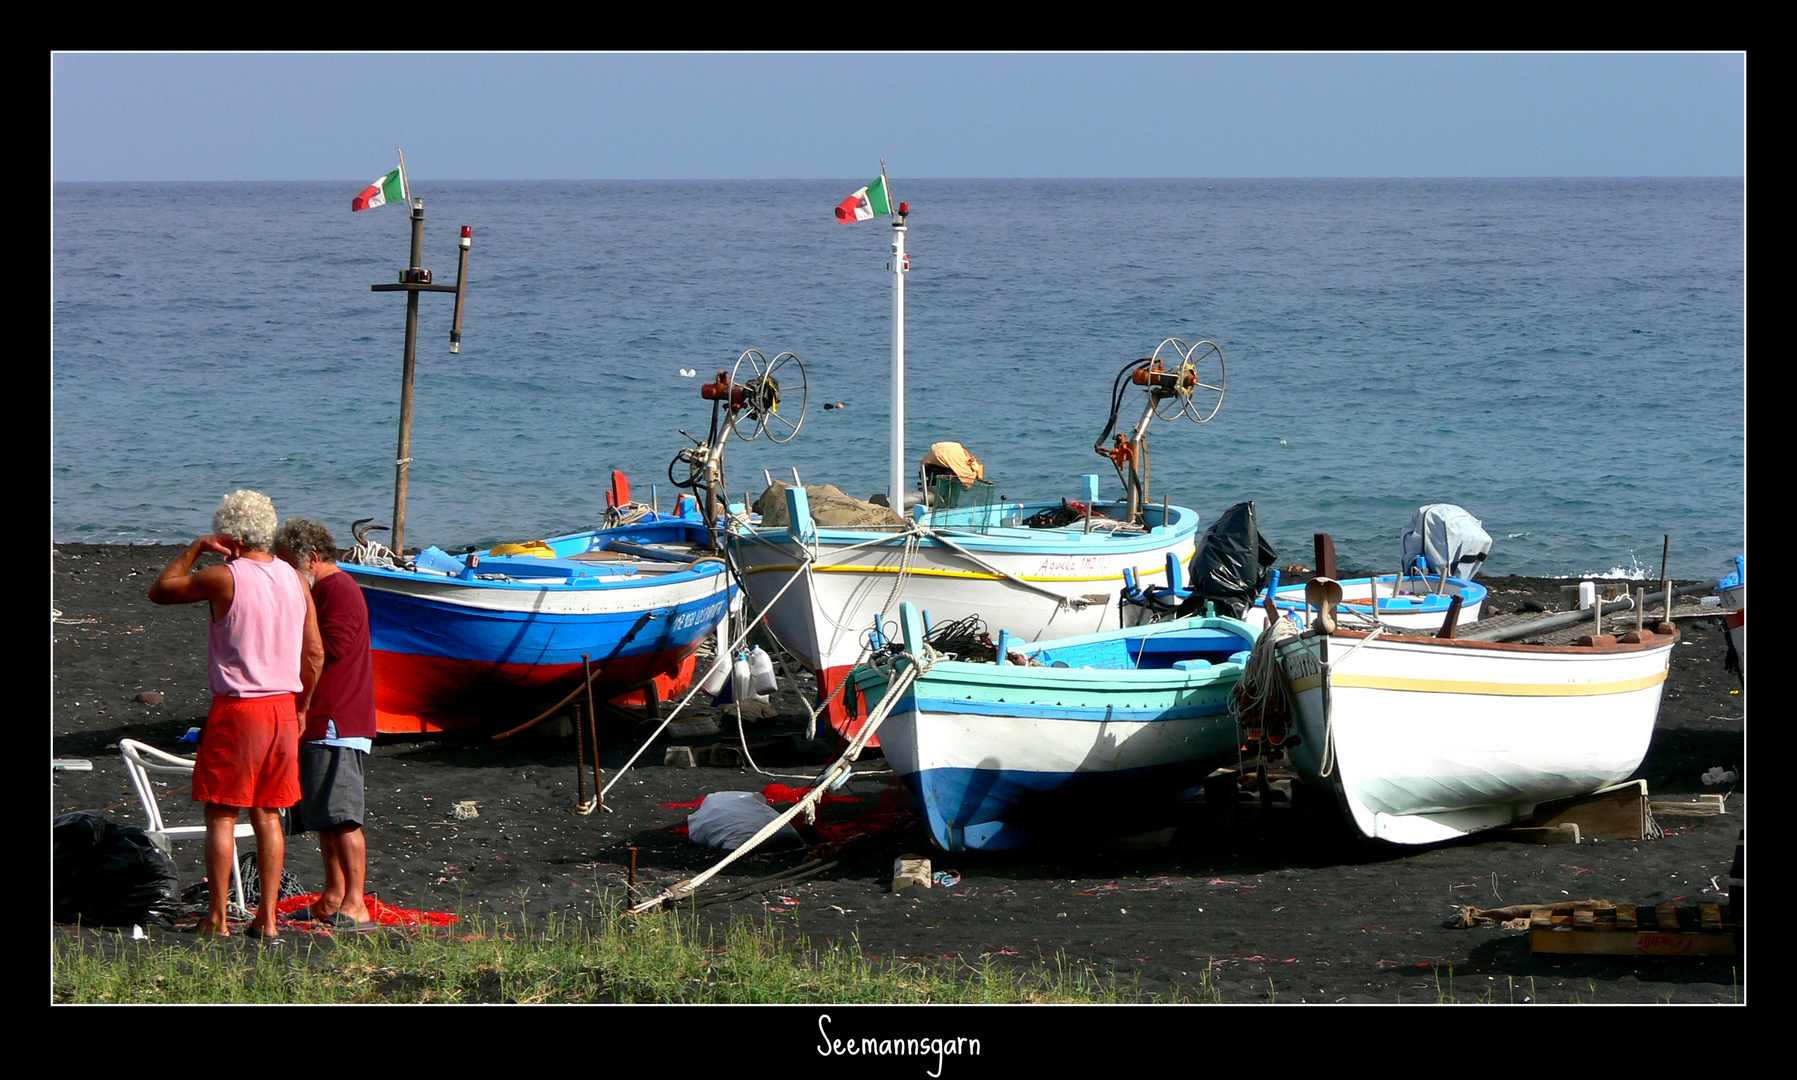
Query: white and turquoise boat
pixel 1090 735
pixel 1413 602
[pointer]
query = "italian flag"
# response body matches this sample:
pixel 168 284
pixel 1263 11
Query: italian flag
pixel 389 188
pixel 870 201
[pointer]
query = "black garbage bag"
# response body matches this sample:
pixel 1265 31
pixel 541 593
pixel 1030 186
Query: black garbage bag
pixel 1232 565
pixel 104 874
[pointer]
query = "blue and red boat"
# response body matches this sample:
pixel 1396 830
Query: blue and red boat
pixel 488 636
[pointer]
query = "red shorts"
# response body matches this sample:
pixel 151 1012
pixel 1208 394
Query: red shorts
pixel 249 753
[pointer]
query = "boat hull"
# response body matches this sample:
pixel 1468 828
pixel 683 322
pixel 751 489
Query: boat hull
pixel 1426 740
pixel 1000 757
pixel 452 653
pixel 1066 583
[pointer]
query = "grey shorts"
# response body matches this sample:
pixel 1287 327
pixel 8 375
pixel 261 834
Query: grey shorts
pixel 330 789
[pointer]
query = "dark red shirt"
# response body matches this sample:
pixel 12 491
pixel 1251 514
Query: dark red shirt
pixel 345 691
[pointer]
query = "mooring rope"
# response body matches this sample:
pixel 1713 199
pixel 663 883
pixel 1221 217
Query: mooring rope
pixel 827 780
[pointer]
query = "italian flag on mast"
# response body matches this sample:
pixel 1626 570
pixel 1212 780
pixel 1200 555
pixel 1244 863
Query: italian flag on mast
pixel 386 189
pixel 871 201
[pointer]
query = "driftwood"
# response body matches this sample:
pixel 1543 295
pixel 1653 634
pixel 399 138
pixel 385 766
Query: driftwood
pixel 1471 916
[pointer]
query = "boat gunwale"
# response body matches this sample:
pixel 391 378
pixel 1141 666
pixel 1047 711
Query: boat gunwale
pixel 1661 641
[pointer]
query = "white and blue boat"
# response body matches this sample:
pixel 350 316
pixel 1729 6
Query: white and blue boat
pixel 1088 735
pixel 469 639
pixel 1414 601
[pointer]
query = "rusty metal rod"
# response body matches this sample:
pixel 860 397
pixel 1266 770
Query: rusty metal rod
pixel 593 726
pixel 580 763
pixel 641 622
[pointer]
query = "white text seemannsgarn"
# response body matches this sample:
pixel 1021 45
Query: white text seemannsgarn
pixel 875 1046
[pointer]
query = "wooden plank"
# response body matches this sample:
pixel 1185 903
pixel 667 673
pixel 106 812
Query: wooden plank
pixel 1666 917
pixel 1630 943
pixel 910 872
pixel 1710 917
pixel 1704 806
pixel 1614 813
pixel 1625 917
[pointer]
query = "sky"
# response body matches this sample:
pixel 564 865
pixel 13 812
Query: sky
pixel 692 116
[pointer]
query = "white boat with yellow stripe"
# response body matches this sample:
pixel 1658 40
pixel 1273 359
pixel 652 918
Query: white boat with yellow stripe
pixel 1425 739
pixel 1038 583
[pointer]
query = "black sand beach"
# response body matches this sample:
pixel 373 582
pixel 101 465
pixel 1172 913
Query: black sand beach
pixel 1274 909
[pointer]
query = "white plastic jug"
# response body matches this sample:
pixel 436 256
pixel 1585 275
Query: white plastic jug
pixel 717 676
pixel 742 679
pixel 761 666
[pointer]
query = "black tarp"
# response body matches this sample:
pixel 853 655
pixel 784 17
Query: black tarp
pixel 1232 565
pixel 104 874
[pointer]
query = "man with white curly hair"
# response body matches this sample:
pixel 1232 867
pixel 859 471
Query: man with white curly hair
pixel 263 656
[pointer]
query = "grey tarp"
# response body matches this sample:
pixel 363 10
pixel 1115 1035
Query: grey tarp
pixel 1446 536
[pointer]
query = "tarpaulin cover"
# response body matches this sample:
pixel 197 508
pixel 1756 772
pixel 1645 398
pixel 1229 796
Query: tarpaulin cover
pixel 728 819
pixel 1232 564
pixel 109 875
pixel 953 457
pixel 380 912
pixel 830 506
pixel 1445 536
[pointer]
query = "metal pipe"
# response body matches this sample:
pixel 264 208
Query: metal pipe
pixel 1483 632
pixel 461 290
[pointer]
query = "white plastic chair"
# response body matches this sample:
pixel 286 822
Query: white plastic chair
pixel 142 759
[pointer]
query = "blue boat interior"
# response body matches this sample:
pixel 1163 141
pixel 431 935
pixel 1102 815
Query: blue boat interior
pixel 665 544
pixel 1186 649
pixel 1188 644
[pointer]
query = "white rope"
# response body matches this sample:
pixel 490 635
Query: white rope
pixel 722 659
pixel 1328 763
pixel 829 779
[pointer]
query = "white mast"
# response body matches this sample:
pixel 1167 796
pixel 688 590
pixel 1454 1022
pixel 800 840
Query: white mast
pixel 896 477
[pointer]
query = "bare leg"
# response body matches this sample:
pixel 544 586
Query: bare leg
pixel 221 851
pixel 331 899
pixel 352 858
pixel 271 856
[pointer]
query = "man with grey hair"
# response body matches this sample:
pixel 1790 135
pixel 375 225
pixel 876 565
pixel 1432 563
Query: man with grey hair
pixel 340 727
pixel 263 656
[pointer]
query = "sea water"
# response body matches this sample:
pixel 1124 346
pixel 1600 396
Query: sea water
pixel 1564 358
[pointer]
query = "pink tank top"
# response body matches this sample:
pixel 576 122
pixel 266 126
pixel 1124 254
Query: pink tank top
pixel 254 651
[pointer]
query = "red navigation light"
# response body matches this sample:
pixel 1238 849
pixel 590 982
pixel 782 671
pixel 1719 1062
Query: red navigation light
pixel 904 208
pixel 466 231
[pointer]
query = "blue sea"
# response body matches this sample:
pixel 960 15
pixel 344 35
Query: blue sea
pixel 1565 358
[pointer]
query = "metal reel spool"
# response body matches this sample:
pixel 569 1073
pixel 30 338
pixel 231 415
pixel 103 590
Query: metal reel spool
pixel 766 387
pixel 1201 359
pixel 1173 404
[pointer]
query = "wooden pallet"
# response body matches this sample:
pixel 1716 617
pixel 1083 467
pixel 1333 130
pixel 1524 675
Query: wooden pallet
pixel 1625 930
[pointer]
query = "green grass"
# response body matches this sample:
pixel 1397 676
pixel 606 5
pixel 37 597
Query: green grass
pixel 608 957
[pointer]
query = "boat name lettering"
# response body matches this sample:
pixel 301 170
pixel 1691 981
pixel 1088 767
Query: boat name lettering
pixel 707 616
pixel 1072 564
